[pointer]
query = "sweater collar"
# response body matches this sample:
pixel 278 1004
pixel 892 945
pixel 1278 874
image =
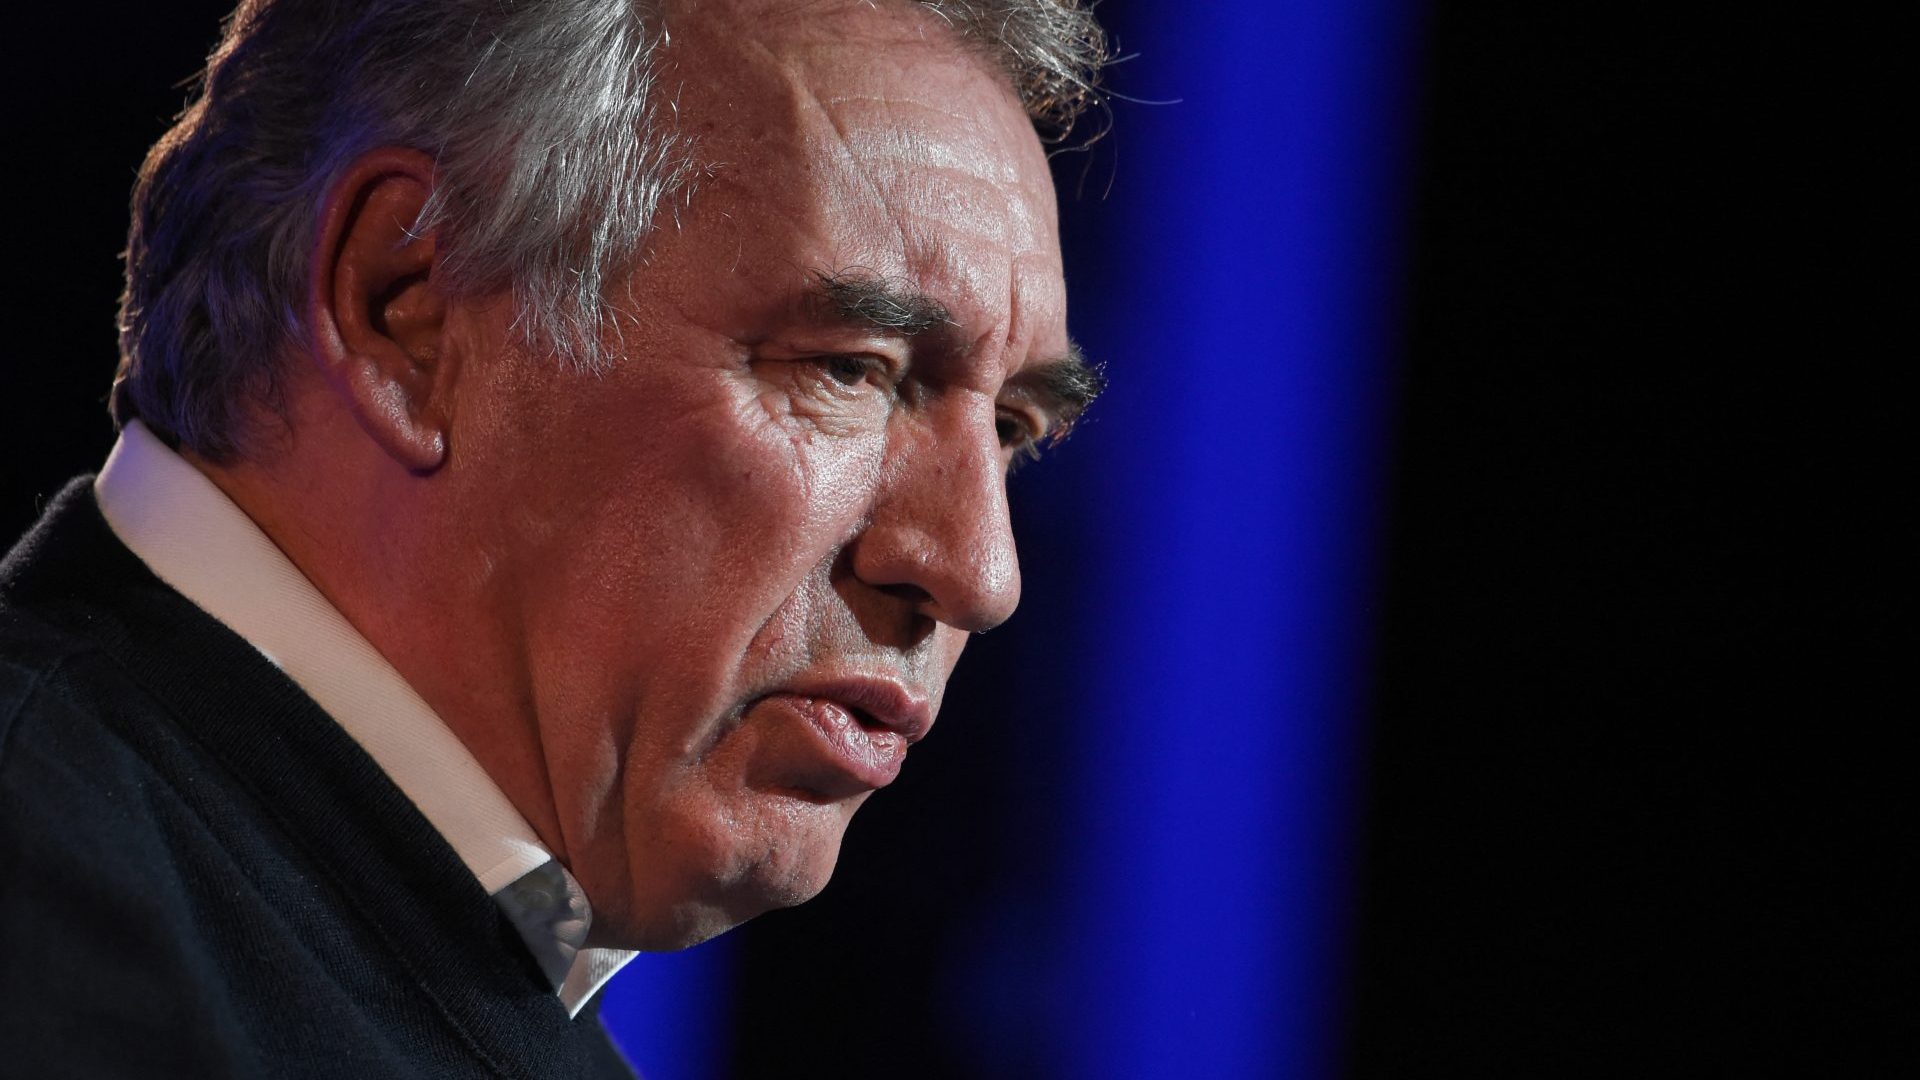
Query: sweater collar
pixel 186 530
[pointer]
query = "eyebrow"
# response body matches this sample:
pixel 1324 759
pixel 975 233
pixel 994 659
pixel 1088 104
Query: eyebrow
pixel 1065 387
pixel 875 303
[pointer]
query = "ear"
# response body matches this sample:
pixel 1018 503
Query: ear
pixel 376 309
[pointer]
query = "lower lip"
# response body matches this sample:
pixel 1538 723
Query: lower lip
pixel 871 756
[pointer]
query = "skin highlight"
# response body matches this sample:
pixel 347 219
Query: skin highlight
pixel 631 593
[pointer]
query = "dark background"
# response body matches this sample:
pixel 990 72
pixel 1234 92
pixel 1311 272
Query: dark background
pixel 1625 813
pixel 1638 653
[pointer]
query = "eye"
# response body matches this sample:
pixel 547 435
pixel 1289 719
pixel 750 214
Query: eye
pixel 1012 431
pixel 848 371
pixel 1018 435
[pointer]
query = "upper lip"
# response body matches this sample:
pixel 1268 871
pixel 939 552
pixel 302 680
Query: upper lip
pixel 879 699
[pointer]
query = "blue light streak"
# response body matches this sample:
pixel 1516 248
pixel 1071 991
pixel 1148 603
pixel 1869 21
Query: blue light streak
pixel 1237 459
pixel 668 1011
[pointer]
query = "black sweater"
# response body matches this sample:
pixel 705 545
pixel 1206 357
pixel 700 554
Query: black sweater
pixel 202 875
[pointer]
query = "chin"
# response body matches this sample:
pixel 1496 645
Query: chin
pixel 730 873
pixel 787 864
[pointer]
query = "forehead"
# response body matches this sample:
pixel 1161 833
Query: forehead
pixel 866 135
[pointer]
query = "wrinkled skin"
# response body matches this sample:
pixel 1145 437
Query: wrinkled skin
pixel 722 514
pixel 608 574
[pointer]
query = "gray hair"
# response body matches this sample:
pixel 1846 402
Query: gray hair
pixel 551 157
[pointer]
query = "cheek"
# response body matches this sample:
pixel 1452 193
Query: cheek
pixel 694 553
pixel 828 466
pixel 729 497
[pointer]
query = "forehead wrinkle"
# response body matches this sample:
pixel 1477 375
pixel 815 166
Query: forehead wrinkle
pixel 924 240
pixel 804 100
pixel 972 159
pixel 949 210
pixel 920 170
pixel 892 141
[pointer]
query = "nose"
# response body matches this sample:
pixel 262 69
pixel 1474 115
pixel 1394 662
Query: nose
pixel 940 532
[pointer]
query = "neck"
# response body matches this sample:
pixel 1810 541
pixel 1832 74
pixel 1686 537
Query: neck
pixel 390 552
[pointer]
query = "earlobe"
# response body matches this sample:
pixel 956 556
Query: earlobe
pixel 376 311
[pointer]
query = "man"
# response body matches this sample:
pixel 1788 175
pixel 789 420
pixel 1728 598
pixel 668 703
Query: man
pixel 563 456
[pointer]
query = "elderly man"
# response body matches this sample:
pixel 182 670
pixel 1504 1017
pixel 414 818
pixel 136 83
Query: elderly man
pixel 563 455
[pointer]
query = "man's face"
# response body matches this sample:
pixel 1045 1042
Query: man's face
pixel 738 569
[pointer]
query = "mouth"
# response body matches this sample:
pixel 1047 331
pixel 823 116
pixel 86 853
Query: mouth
pixel 857 732
pixel 877 703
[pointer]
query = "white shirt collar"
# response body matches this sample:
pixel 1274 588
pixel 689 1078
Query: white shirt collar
pixel 196 540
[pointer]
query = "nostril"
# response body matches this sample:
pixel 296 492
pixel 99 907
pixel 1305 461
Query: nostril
pixel 908 591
